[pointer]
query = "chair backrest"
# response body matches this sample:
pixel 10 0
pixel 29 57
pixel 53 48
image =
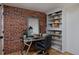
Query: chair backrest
pixel 48 39
pixel 44 44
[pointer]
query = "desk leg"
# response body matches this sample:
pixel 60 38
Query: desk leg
pixel 22 50
pixel 29 47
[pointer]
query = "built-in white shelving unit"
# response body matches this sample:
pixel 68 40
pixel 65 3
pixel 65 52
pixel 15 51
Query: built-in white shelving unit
pixel 54 27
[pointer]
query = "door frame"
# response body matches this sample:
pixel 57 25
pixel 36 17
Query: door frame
pixel 2 18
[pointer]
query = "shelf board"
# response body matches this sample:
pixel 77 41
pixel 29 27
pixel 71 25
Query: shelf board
pixel 51 28
pixel 56 43
pixel 55 19
pixel 57 40
pixel 56 35
pixel 58 12
pixel 54 22
pixel 51 15
pixel 56 30
pixel 56 47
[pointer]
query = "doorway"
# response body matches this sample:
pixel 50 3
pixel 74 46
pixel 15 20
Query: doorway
pixel 1 30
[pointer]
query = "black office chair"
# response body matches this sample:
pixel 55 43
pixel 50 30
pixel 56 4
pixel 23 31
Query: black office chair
pixel 43 45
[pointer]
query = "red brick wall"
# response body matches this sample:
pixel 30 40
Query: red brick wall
pixel 15 21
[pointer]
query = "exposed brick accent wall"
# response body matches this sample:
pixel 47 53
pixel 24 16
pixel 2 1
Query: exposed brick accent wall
pixel 15 21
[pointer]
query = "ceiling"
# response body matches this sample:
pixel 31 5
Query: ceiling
pixel 43 7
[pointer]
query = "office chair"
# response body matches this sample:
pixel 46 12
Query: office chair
pixel 43 45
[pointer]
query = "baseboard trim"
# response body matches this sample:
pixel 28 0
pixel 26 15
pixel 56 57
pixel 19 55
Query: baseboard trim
pixel 68 53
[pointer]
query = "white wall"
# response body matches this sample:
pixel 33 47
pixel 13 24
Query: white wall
pixel 34 22
pixel 72 29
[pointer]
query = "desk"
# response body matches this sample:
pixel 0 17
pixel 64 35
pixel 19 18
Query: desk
pixel 33 39
pixel 30 40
